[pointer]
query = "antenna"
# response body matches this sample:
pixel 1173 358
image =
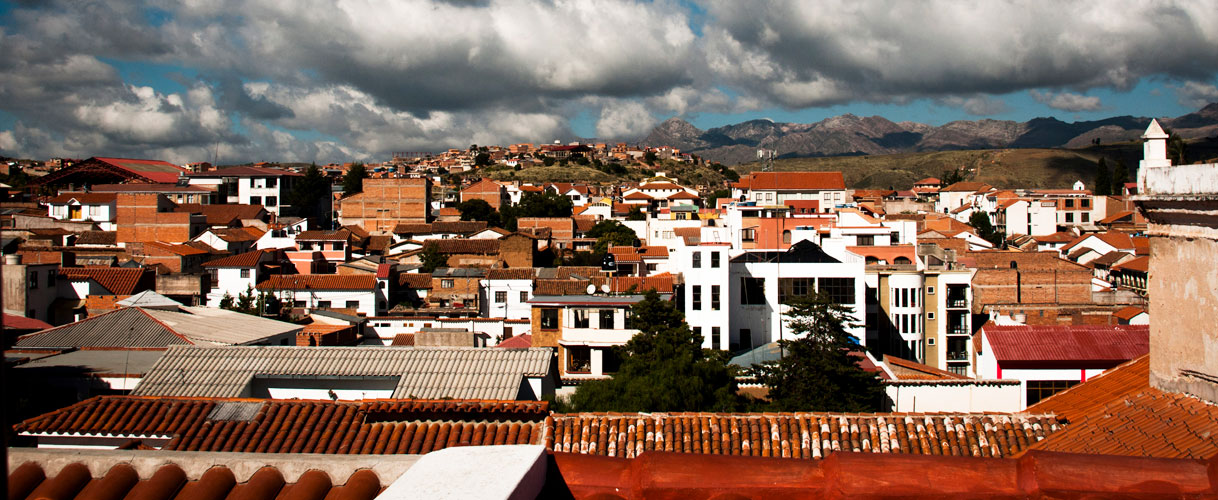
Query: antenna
pixel 766 157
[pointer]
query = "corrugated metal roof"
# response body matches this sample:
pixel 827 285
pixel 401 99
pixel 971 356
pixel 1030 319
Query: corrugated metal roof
pixel 425 372
pixel 137 327
pixel 1067 343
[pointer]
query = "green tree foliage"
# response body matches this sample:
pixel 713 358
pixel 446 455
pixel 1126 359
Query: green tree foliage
pixel 664 368
pixel 1175 148
pixel 1120 175
pixel 611 233
pixel 432 259
pixel 227 301
pixel 816 371
pixel 981 222
pixel 310 197
pixel 649 158
pixel 718 193
pixel 353 181
pixel 950 177
pixel 1103 178
pixel 479 210
pixel 547 160
pixel 636 214
pixel 536 205
pixel 482 159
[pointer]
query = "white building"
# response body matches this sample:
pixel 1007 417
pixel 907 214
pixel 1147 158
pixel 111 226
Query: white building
pixel 237 274
pixel 365 294
pixel 777 188
pixel 707 296
pixel 1030 217
pixel 268 187
pixel 506 293
pixel 84 207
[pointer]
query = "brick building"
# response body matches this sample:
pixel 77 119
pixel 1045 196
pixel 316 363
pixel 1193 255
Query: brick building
pixel 1038 287
pixel 486 190
pixel 385 203
pixel 143 217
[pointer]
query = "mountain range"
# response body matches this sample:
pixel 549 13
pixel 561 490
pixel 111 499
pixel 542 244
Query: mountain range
pixel 847 135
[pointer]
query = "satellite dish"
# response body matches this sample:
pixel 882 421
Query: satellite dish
pixel 605 288
pixel 591 289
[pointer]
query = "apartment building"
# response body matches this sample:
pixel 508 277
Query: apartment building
pixel 583 329
pixel 385 203
pixel 269 187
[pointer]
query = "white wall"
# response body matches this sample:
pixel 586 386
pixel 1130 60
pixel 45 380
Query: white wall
pixel 229 281
pixel 514 308
pixel 766 321
pixel 957 396
pixel 365 299
pixel 386 327
pixel 706 277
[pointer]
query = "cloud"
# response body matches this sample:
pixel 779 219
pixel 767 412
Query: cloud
pixel 800 54
pixel 976 105
pixel 1067 101
pixel 1196 94
pixel 624 120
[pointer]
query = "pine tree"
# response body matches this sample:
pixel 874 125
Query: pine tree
pixel 817 371
pixel 353 181
pixel 1120 176
pixel 1103 179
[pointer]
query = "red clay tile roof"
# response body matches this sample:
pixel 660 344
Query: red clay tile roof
pixel 403 339
pixel 522 341
pixel 84 198
pixel 119 281
pixel 929 180
pixel 463 246
pixel 170 481
pixel 247 259
pixel 319 282
pixel 34 257
pixel 971 187
pixel 662 283
pixel 294 426
pixel 14 322
pixel 97 238
pixel 565 272
pixel 793 181
pixel 223 215
pixel 1116 217
pixel 797 435
pixel 515 273
pixel 172 248
pixel 416 281
pixel 1139 264
pixel 236 234
pixel 1118 413
pixel 1076 346
pixel 909 370
pixel 560 287
pixel 1128 313
pixel 321 235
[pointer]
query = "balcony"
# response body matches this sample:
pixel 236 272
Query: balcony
pixel 957 302
pixel 957 356
pixel 958 330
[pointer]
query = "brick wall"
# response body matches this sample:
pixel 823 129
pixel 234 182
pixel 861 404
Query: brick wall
pixel 562 229
pixel 385 203
pixel 518 251
pixel 148 217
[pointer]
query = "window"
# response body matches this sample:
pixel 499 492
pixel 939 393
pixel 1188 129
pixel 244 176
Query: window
pixel 500 296
pixel 606 319
pixel 305 245
pixel 1086 217
pixel 930 316
pixel 446 283
pixel 746 338
pixel 714 259
pixel 245 273
pixel 549 319
pixel 752 291
pixel 698 334
pixel 50 278
pixel 33 281
pixel 610 362
pixel 1041 389
pixel 1084 203
pixel 272 201
pixel 581 318
pixel 748 234
pixel 323 304
pixel 695 298
pixel 338 245
pixel 1069 203
pixel 255 200
pixel 1069 217
pixel 697 260
pixel 652 266
pixel 714 335
pixel 866 240
pixel 627 319
pixel 930 290
pixel 352 304
pixel 524 296
pixel 839 290
pixel 714 297
pixel 579 359
pixel 270 182
pixel 790 288
pixel 298 303
pixel 786 236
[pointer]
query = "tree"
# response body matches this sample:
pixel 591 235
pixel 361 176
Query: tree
pixel 663 368
pixel 547 160
pixel 1120 175
pixel 226 302
pixel 636 214
pixel 477 209
pixel 950 177
pixel 981 222
pixel 431 259
pixel 1103 179
pixel 714 197
pixel 817 371
pixel 611 233
pixel 310 197
pixel 482 159
pixel 1175 148
pixel 353 181
pixel 649 157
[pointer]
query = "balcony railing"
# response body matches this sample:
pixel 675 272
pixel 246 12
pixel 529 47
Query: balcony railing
pixel 957 302
pixel 957 330
pixel 957 356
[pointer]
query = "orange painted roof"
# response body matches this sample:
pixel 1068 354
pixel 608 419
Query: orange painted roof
pixel 523 341
pixel 1127 313
pixel 1139 264
pixel 173 248
pixel 662 283
pixel 793 181
pixel 119 281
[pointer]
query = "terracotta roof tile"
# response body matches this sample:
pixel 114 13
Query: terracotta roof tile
pixel 522 341
pixel 560 287
pixel 389 426
pixel 14 322
pixel 1139 264
pixel 515 273
pixel 403 339
pixel 662 283
pixel 1118 413
pixel 910 370
pixel 463 246
pixel 119 281
pixel 322 235
pixel 109 238
pixel 84 198
pixel 171 248
pixel 223 215
pixel 417 281
pixel 794 181
pixel 797 435
pixel 320 282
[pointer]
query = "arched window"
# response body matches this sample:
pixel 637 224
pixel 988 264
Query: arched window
pixel 1014 265
pixel 786 236
pixel 871 260
pixel 901 260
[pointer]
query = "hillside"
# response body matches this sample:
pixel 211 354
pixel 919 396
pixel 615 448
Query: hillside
pixel 850 135
pixel 1002 168
pixel 691 175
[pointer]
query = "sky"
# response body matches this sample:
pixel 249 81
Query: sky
pixel 340 80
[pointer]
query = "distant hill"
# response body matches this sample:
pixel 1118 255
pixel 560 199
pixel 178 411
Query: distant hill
pixel 850 135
